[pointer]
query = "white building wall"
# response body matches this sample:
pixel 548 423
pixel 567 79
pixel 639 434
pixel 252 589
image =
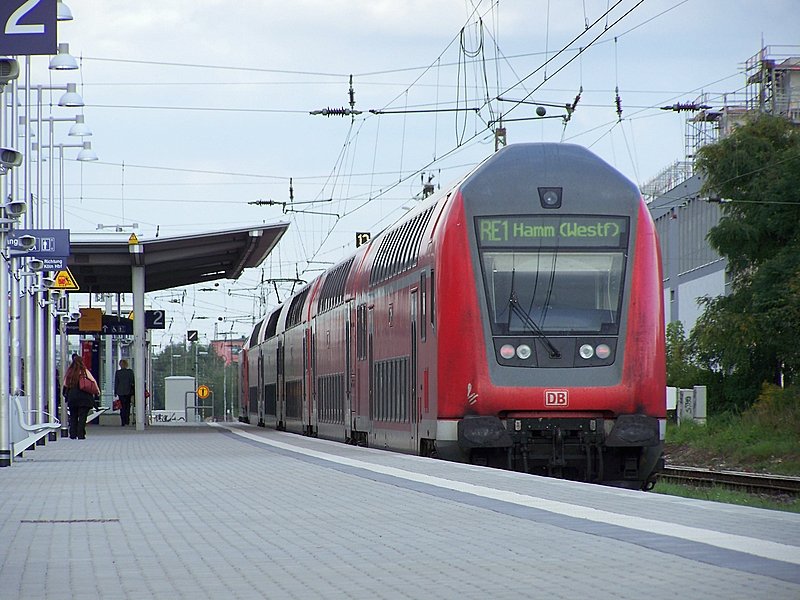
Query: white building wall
pixel 689 310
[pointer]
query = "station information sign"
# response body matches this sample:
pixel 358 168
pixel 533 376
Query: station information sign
pixel 28 27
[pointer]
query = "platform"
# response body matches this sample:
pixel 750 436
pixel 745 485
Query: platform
pixel 238 512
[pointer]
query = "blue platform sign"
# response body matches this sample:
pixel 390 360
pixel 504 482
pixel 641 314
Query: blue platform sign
pixel 51 247
pixel 28 27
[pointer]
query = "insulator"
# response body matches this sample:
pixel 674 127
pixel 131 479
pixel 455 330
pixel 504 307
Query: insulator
pixel 335 112
pixel 577 98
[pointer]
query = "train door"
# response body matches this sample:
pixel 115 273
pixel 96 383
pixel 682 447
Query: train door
pixel 280 401
pixel 371 360
pixel 413 412
pixel 260 387
pixel 349 373
pixel 360 391
pixel 309 368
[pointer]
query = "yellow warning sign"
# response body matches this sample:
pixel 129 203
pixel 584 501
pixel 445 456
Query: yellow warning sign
pixel 133 239
pixel 203 392
pixel 65 280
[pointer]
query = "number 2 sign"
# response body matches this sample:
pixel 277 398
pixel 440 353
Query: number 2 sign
pixel 28 27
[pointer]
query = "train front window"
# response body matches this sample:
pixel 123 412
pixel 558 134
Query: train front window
pixel 562 292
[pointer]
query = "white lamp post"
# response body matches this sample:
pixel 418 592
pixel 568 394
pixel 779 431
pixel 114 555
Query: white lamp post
pixel 62 330
pixel 32 306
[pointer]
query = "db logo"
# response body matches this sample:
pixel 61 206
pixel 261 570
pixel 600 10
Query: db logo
pixel 556 398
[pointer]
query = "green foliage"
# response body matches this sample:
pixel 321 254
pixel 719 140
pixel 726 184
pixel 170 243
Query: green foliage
pixel 685 371
pixel 680 371
pixel 754 167
pixel 205 365
pixel 778 409
pixel 749 337
pixel 765 437
pixel 722 494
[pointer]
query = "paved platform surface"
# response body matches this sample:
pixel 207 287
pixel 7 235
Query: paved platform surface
pixel 238 512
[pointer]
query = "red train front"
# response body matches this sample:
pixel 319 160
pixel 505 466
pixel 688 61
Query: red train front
pixel 515 320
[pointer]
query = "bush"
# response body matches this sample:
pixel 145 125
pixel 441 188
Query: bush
pixel 777 409
pixel 763 437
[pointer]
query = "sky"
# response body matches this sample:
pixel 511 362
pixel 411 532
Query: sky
pixel 201 108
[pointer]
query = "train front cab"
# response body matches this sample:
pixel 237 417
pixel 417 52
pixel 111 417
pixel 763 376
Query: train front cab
pixel 569 379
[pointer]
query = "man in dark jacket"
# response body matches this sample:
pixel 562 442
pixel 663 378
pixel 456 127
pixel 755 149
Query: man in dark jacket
pixel 123 389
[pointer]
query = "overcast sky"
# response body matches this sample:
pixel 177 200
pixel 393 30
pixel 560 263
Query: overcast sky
pixel 201 107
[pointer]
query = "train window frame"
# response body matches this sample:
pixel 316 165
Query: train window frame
pixel 361 332
pixel 272 324
pixel 423 314
pixel 253 341
pixel 333 288
pixel 433 300
pixel 294 315
pixel 561 307
pixel 399 248
pixel 400 242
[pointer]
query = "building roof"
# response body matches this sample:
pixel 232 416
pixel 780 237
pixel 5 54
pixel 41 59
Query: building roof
pixel 101 263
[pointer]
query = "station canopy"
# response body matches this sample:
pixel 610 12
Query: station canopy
pixel 102 263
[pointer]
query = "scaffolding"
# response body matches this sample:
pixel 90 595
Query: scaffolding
pixel 673 175
pixel 772 86
pixel 773 82
pixel 710 124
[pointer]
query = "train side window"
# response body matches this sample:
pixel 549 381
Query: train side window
pixel 423 322
pixel 361 332
pixel 433 300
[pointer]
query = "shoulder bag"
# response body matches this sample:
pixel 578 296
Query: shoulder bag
pixel 89 386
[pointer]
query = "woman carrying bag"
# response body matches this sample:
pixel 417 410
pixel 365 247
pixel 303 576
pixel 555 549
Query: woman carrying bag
pixel 80 389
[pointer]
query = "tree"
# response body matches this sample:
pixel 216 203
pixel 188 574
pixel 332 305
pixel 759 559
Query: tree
pixel 750 336
pixel 177 359
pixel 681 373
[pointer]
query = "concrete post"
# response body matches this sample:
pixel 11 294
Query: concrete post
pixel 137 284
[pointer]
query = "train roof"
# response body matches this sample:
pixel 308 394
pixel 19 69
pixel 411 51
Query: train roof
pixel 587 181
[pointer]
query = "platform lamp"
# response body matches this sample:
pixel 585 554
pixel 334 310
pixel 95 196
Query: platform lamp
pixel 86 154
pixel 49 317
pixel 21 304
pixel 10 210
pixel 63 13
pixel 63 61
pixel 40 330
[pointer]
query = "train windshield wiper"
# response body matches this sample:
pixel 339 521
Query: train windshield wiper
pixel 526 319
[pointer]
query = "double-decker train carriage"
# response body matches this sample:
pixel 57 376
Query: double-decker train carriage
pixel 514 319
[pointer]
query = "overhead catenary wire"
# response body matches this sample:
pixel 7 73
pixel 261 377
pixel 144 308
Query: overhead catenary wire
pixel 351 141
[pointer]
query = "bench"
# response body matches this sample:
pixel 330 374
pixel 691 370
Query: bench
pixel 95 413
pixel 31 432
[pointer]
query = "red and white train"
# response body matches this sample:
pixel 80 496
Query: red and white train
pixel 514 319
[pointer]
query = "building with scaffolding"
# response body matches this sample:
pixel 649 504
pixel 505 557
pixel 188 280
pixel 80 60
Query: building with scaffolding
pixel 683 215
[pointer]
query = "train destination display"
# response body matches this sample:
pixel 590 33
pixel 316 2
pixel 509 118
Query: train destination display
pixel 571 231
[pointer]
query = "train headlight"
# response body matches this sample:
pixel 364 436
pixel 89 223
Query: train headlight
pixel 507 351
pixel 524 351
pixel 586 351
pixel 603 351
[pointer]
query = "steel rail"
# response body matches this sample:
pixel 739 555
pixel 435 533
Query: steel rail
pixel 753 482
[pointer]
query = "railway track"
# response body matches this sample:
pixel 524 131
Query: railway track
pixel 749 482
